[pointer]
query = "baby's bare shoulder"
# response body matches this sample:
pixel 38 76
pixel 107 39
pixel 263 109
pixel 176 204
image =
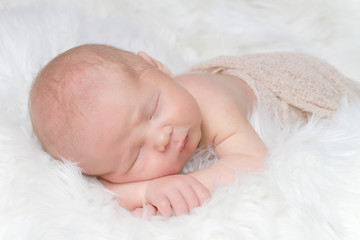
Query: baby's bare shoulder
pixel 197 83
pixel 209 92
pixel 223 101
pixel 220 89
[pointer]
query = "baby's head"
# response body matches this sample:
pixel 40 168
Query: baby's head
pixel 120 116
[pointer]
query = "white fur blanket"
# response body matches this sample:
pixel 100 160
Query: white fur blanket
pixel 310 188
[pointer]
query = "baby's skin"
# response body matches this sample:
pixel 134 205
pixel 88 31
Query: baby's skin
pixel 138 131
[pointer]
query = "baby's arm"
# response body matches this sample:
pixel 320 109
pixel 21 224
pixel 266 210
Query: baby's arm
pixel 236 144
pixel 225 169
pixel 178 193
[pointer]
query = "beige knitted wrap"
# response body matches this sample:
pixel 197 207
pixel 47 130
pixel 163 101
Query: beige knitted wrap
pixel 291 84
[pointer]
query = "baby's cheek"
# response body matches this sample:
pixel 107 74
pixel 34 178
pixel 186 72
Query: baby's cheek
pixel 175 169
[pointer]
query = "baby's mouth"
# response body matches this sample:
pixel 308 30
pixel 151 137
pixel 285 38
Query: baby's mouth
pixel 182 146
pixel 178 145
pixel 178 142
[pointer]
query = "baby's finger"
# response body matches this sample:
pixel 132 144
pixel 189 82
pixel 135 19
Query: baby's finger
pixel 163 206
pixel 148 211
pixel 138 212
pixel 202 192
pixel 190 197
pixel 178 203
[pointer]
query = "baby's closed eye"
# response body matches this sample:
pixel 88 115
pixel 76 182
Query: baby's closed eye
pixel 138 152
pixel 154 105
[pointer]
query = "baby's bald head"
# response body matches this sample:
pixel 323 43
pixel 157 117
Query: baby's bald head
pixel 66 90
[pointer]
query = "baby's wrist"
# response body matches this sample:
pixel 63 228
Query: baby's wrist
pixel 141 191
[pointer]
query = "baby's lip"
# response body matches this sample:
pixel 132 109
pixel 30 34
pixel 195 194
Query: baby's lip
pixel 183 143
pixel 178 143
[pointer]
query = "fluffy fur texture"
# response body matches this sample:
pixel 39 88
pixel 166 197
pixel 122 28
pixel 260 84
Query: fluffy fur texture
pixel 310 188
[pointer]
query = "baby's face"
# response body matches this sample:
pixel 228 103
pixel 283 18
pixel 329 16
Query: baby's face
pixel 142 129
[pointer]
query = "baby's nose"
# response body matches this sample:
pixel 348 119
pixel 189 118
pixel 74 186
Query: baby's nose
pixel 162 138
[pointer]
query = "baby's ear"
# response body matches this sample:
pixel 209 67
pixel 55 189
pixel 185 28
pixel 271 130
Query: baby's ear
pixel 154 63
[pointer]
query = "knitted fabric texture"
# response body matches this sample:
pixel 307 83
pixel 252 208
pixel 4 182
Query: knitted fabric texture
pixel 290 86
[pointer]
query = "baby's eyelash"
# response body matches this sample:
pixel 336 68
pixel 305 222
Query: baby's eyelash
pixel 138 152
pixel 156 107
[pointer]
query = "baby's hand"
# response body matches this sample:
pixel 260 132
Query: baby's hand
pixel 146 211
pixel 178 193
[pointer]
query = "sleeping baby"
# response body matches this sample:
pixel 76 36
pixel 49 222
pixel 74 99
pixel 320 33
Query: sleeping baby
pixel 125 119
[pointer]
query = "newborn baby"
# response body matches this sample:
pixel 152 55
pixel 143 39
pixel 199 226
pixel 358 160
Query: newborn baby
pixel 127 120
